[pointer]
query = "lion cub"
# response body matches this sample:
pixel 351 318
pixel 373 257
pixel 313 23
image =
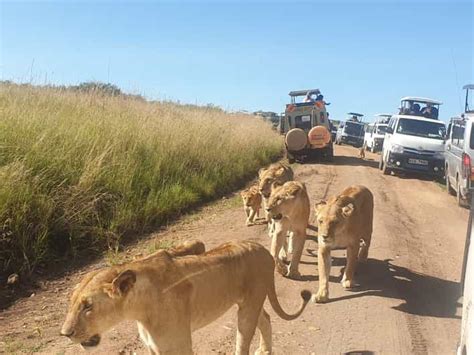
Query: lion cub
pixel 252 203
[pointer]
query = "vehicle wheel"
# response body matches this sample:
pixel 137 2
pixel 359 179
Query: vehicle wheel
pixel 381 162
pixel 461 202
pixel 449 189
pixel 385 169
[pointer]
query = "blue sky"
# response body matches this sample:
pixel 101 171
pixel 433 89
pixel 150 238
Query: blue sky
pixel 363 55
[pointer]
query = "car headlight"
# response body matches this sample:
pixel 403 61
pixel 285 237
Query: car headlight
pixel 438 155
pixel 396 148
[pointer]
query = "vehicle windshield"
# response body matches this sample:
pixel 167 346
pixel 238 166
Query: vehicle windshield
pixel 382 129
pixel 421 128
pixel 354 129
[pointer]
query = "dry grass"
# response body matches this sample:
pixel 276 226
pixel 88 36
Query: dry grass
pixel 79 171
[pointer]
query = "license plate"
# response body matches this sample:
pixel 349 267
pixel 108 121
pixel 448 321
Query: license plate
pixel 417 161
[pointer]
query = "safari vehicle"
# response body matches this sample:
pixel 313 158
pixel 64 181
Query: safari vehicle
pixel 459 152
pixel 413 141
pixel 375 132
pixel 306 128
pixel 351 131
pixel 466 343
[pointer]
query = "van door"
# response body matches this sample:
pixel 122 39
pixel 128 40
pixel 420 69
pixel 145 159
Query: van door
pixel 386 142
pixel 457 149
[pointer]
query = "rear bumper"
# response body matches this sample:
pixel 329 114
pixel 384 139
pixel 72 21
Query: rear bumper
pixel 352 140
pixel 312 151
pixel 401 162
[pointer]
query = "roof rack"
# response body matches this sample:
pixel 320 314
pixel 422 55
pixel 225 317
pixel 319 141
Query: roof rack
pixel 304 92
pixel 421 99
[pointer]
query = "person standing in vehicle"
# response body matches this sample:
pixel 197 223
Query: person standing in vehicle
pixel 308 97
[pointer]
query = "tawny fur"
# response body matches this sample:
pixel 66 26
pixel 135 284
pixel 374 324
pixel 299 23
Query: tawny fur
pixel 289 208
pixel 344 221
pixel 252 200
pixel 171 296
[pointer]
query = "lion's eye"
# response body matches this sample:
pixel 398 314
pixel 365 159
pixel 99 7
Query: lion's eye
pixel 87 307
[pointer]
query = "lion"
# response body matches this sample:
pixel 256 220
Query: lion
pixel 252 203
pixel 171 296
pixel 289 208
pixel 344 221
pixel 279 173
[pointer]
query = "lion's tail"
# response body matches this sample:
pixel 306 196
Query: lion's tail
pixel 272 297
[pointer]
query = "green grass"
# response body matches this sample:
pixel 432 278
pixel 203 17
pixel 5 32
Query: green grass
pixel 80 171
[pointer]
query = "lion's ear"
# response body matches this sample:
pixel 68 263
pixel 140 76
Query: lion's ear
pixel 280 171
pixel 319 205
pixel 260 172
pixel 348 210
pixel 122 284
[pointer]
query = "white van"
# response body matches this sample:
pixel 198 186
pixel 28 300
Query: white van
pixel 375 132
pixel 414 140
pixel 459 152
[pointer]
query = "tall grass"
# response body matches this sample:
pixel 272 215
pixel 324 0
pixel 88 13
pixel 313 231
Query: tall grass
pixel 79 171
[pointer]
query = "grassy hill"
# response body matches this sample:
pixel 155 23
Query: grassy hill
pixel 79 170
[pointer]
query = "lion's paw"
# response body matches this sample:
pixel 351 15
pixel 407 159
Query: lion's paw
pixel 295 275
pixel 262 352
pixel 321 297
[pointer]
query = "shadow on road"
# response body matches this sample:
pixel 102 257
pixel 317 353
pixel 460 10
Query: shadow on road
pixel 421 294
pixel 354 161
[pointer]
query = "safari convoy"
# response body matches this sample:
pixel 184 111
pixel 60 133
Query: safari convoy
pixel 172 293
pixel 412 140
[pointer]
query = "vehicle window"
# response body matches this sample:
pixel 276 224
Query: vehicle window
pixel 303 122
pixel 391 124
pixel 381 129
pixel 458 135
pixel 421 128
pixel 448 132
pixel 354 129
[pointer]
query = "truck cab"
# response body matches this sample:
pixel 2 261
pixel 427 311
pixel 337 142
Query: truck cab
pixel 306 127
pixel 459 154
pixel 375 132
pixel 351 131
pixel 414 139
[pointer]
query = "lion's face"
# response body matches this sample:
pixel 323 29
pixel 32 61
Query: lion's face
pixel 268 177
pixel 280 200
pixel 96 305
pixel 331 218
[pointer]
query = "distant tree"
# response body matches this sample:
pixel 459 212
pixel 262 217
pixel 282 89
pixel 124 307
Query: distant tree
pixel 98 87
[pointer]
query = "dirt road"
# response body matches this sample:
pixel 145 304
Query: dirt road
pixel 407 301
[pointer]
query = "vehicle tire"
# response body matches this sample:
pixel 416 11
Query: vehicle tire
pixel 449 189
pixel 330 154
pixel 290 157
pixel 461 202
pixel 381 162
pixel 385 169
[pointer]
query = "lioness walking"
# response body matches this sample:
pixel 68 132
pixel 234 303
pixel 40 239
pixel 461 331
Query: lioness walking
pixel 171 296
pixel 343 221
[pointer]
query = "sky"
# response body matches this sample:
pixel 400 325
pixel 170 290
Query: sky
pixel 363 55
